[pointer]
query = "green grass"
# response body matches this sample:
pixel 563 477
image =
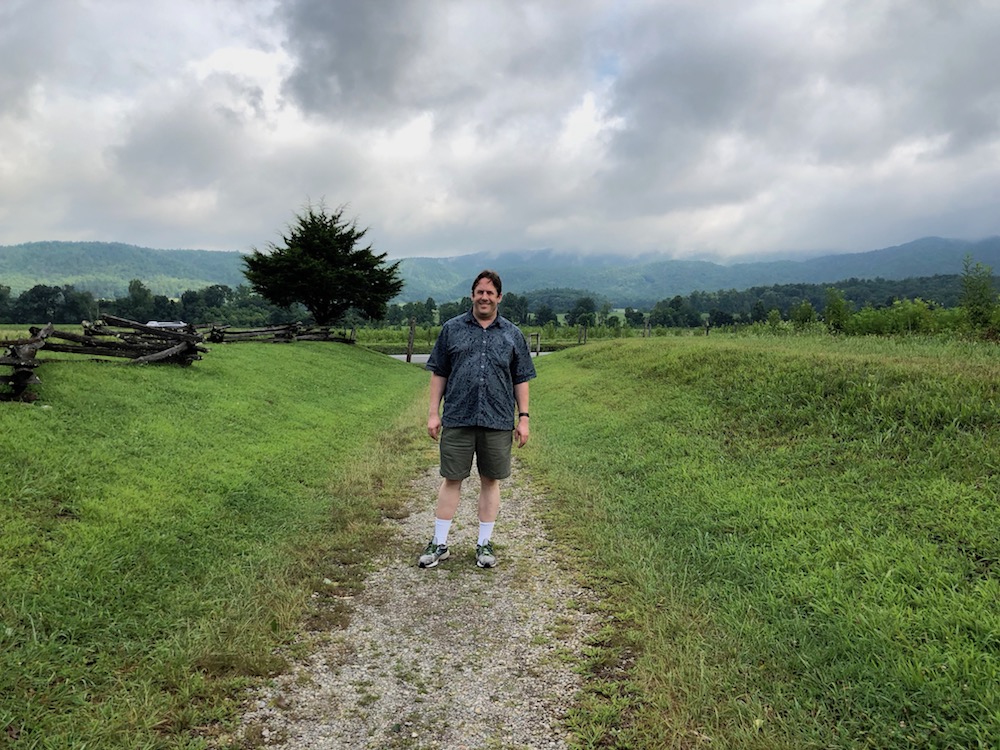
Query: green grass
pixel 10 331
pixel 164 529
pixel 793 541
pixel 796 539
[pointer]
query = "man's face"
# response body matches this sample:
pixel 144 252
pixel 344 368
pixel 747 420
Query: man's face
pixel 485 300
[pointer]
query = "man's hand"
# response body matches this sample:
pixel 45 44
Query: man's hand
pixel 521 432
pixel 438 385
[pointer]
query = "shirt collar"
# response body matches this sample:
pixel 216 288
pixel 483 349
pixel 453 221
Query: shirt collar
pixel 471 319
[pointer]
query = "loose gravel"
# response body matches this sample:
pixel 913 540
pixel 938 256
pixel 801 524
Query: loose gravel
pixel 449 657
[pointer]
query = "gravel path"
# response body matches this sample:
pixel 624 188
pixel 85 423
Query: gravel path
pixel 450 657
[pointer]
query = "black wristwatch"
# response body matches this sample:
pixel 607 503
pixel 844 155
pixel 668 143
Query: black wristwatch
pixel 523 414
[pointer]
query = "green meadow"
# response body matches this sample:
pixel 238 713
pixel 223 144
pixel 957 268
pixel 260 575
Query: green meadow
pixel 793 542
pixel 796 539
pixel 164 528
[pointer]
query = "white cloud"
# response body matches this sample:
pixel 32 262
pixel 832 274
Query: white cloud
pixel 698 128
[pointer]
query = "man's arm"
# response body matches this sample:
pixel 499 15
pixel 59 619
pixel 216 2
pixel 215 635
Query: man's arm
pixel 522 431
pixel 434 411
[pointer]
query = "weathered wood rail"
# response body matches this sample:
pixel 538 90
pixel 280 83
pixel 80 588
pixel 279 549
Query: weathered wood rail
pixel 280 334
pixel 108 337
pixel 112 336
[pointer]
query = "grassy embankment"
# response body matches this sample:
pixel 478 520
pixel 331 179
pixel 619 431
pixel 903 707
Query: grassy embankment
pixel 163 528
pixel 797 538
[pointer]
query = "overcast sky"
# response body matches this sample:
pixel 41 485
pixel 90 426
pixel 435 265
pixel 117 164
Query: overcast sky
pixel 710 129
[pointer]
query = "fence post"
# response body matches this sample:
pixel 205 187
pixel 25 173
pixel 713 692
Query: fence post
pixel 409 344
pixel 537 340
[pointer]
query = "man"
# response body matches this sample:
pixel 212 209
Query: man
pixel 480 366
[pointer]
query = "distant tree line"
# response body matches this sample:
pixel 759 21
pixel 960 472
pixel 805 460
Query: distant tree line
pixel 853 306
pixel 213 304
pixel 723 307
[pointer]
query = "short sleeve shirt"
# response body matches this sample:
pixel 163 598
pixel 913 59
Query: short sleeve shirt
pixel 482 366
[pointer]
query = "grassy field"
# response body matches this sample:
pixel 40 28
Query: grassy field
pixel 797 538
pixel 164 528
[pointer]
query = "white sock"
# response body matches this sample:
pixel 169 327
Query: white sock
pixel 441 529
pixel 485 531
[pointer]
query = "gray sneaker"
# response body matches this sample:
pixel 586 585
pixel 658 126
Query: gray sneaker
pixel 434 554
pixel 484 555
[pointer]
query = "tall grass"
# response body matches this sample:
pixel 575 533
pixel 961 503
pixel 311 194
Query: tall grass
pixel 797 538
pixel 164 528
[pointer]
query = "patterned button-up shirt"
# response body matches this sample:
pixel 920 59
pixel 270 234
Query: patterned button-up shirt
pixel 482 366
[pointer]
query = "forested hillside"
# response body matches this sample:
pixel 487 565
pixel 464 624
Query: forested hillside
pixel 105 269
pixel 642 281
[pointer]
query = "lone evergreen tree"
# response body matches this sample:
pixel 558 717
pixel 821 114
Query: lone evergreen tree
pixel 978 295
pixel 837 311
pixel 321 267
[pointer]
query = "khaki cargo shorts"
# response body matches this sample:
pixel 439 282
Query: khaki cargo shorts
pixel 491 448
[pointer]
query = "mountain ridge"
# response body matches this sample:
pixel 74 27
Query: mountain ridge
pixel 105 269
pixel 643 284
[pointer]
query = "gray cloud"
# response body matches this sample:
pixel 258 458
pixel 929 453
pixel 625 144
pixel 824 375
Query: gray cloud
pixel 33 38
pixel 497 63
pixel 352 58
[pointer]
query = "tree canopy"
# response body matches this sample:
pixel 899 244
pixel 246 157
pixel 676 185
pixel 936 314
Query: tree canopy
pixel 321 267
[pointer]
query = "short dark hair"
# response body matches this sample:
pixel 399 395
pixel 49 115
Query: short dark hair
pixel 493 276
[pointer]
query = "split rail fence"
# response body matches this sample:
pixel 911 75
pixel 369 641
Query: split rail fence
pixel 138 343
pixel 280 334
pixel 108 337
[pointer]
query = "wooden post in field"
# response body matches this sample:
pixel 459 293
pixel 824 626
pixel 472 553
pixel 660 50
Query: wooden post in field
pixel 409 344
pixel 581 335
pixel 536 339
pixel 23 363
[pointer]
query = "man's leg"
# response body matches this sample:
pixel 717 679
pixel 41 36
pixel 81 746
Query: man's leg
pixel 493 455
pixel 449 495
pixel 457 450
pixel 457 447
pixel 489 499
pixel 489 507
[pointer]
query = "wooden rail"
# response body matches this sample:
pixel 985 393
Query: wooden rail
pixel 279 334
pixel 108 337
pixel 22 361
